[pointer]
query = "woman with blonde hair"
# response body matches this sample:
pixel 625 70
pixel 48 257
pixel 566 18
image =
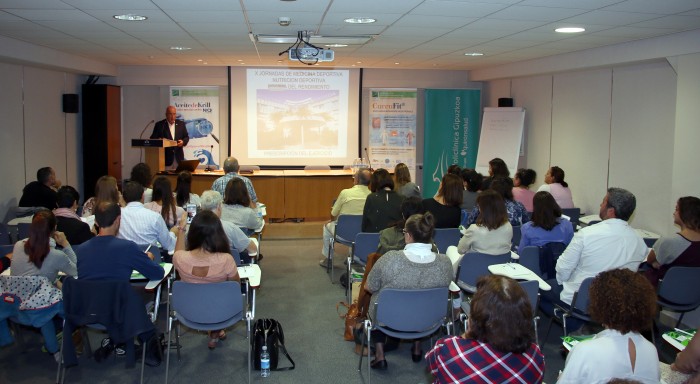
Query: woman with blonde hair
pixel 105 191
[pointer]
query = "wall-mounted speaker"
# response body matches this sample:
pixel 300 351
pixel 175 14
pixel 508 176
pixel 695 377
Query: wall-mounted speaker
pixel 505 102
pixel 70 103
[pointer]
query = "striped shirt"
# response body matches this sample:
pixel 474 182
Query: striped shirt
pixel 143 226
pixel 219 185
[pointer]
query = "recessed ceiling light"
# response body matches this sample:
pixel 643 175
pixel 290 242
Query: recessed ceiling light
pixel 360 20
pixel 178 48
pixel 200 60
pixel 397 63
pixel 205 62
pixel 473 54
pixel 570 30
pixel 130 17
pixel 336 45
pixel 358 62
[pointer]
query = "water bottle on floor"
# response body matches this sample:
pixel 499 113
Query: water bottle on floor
pixel 264 362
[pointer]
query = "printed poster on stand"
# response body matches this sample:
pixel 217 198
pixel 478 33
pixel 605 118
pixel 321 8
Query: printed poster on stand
pixel 392 128
pixel 198 107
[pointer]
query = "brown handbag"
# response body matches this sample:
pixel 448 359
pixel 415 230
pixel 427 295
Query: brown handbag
pixel 351 316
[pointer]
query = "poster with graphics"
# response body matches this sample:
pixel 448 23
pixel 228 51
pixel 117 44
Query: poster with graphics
pixel 392 128
pixel 198 107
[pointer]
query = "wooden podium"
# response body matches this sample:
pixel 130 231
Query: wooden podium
pixel 155 151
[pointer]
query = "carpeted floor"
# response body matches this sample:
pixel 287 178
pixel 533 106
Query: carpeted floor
pixel 295 291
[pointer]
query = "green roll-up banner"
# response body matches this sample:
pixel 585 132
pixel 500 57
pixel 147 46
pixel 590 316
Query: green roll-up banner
pixel 451 135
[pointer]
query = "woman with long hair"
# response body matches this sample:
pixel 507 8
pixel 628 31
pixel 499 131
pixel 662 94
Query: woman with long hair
pixel 497 168
pixel 383 205
pixel 105 191
pixel 445 205
pixel 37 255
pixel 402 181
pixel 205 258
pixel 547 225
pixel 499 344
pixel 141 173
pixel 554 183
pixel 164 202
pixel 183 190
pixel 236 207
pixel 414 267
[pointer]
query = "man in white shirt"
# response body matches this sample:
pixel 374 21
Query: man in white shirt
pixel 238 241
pixel 607 245
pixel 350 201
pixel 140 224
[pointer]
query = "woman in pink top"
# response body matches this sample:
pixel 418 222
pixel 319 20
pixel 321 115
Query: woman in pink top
pixel 206 258
pixel 521 183
pixel 555 184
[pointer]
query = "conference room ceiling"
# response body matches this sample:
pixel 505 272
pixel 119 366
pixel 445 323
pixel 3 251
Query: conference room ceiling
pixel 422 34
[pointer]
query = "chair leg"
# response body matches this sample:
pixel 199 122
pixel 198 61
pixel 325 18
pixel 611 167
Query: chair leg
pixel 167 358
pixel 549 328
pixel 680 319
pixel 369 362
pixel 329 261
pixel 143 357
pixel 563 321
pixel 248 326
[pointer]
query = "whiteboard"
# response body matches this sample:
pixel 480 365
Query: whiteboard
pixel 501 136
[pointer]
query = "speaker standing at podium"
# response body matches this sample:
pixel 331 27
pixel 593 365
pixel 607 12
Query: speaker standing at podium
pixel 172 129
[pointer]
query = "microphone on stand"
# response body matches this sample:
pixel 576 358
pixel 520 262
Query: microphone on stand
pixel 141 136
pixel 211 154
pixel 369 160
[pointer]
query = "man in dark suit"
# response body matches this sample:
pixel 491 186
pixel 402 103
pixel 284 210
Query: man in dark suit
pixel 172 129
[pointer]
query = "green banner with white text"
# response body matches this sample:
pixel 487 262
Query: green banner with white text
pixel 451 135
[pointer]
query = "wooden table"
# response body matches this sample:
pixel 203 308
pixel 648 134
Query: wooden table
pixel 288 194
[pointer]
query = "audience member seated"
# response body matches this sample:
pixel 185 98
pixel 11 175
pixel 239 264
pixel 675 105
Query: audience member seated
pixel 206 258
pixel 490 234
pixel 392 238
pixel 239 242
pixel 681 249
pixel 472 185
pixel 402 182
pixel 445 205
pixel 238 208
pixel 383 205
pixel 350 201
pixel 686 367
pixel 497 168
pixel 547 225
pixel 522 181
pixel 416 267
pixel 42 192
pixel 454 169
pixel 141 225
pixel 163 202
pixel 517 214
pixel 555 184
pixel 231 167
pixel 141 173
pixel 110 258
pixel 105 191
pixel 68 222
pixel 610 244
pixel 183 190
pixel 625 304
pixel 499 344
pixel 38 256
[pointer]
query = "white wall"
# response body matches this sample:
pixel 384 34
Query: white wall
pixel 36 133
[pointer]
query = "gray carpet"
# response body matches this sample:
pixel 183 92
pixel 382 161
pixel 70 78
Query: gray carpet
pixel 295 291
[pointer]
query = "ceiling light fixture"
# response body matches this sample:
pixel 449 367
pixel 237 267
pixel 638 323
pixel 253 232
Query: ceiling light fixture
pixel 130 17
pixel 473 54
pixel 335 45
pixel 570 30
pixel 360 20
pixel 178 48
pixel 313 39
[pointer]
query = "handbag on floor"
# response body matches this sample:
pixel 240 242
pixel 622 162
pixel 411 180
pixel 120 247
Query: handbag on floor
pixel 352 316
pixel 268 332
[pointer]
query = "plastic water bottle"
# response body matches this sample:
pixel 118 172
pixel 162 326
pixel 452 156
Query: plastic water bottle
pixel 264 362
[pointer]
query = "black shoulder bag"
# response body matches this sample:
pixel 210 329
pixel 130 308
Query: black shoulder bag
pixel 268 332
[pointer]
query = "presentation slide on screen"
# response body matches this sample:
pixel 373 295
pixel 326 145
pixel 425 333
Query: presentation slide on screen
pixel 294 117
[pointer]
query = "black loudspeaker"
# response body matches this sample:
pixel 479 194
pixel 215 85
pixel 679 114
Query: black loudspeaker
pixel 505 102
pixel 70 103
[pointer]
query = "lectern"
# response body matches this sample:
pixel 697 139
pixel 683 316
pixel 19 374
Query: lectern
pixel 155 151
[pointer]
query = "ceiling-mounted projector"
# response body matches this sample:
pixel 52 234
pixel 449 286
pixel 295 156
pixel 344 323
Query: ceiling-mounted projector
pixel 311 54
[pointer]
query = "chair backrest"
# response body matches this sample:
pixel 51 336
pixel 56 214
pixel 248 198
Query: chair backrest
pixel 532 288
pixel 22 231
pixel 549 254
pixel 475 265
pixel 4 235
pixel 207 303
pixel 463 218
pixel 348 226
pixel 677 284
pixel 411 310
pixel 579 304
pixel 365 243
pixel 530 259
pixel 444 237
pixel 574 214
pixel 317 168
pixel 515 241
